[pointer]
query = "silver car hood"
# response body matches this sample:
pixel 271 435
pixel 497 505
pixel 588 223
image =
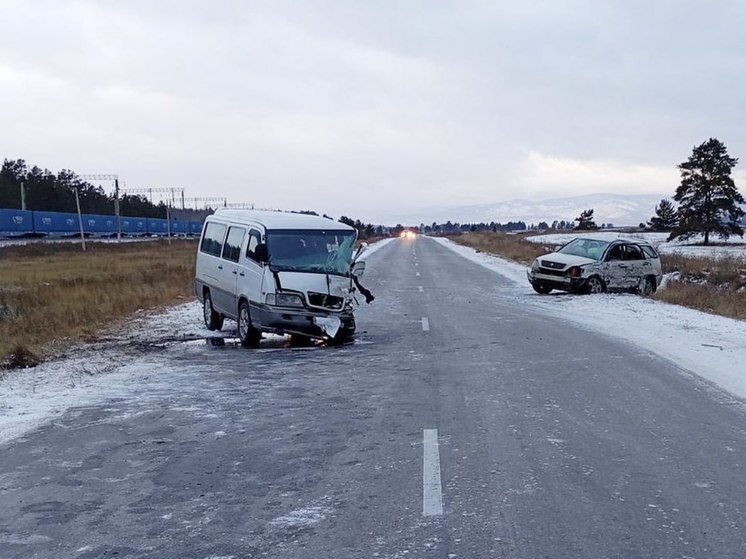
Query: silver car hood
pixel 566 260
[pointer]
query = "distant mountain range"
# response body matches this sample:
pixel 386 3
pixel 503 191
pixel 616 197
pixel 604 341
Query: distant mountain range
pixel 616 209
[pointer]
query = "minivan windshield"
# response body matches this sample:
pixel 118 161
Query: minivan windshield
pixel 587 248
pixel 327 252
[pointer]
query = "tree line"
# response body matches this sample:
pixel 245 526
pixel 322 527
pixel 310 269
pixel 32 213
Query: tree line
pixel 46 191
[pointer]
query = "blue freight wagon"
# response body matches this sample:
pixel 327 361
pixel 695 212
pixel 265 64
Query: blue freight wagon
pixel 15 223
pixel 55 224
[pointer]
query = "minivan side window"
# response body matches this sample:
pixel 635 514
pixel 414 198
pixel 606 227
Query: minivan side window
pixel 232 248
pixel 212 240
pixel 255 238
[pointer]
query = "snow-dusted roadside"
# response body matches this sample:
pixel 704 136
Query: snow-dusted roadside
pixel 31 397
pixel 114 368
pixel 709 346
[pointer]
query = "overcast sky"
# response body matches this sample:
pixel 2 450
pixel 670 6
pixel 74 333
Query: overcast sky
pixel 357 107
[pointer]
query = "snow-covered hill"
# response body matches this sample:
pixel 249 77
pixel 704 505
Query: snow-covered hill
pixel 617 209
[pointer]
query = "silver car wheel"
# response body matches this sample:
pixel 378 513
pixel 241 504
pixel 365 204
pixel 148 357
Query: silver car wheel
pixel 647 287
pixel 595 285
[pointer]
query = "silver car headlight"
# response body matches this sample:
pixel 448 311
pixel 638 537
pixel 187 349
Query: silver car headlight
pixel 284 300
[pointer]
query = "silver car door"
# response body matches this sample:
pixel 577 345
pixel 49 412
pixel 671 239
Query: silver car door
pixel 616 269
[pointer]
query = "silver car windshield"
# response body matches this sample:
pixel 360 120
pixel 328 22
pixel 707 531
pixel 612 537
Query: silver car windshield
pixel 587 248
pixel 327 252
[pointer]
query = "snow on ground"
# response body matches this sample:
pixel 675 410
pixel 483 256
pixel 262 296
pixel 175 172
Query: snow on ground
pixel 31 397
pixel 734 247
pixel 712 347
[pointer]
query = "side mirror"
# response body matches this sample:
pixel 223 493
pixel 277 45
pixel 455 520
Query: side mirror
pixel 361 249
pixel 261 253
pixel 358 269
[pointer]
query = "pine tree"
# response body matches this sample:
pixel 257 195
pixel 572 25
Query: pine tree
pixel 707 196
pixel 665 218
pixel 585 221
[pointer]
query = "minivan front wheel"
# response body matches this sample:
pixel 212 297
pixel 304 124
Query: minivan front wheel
pixel 247 334
pixel 213 320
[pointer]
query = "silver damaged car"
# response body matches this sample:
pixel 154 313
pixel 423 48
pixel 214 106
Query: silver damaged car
pixel 596 266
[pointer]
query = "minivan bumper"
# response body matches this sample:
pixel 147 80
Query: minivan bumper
pixel 297 321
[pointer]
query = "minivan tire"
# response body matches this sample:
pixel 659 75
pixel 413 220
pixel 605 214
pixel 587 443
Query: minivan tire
pixel 213 320
pixel 247 334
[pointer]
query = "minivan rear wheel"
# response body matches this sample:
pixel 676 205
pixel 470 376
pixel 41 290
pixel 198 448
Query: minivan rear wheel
pixel 213 320
pixel 247 334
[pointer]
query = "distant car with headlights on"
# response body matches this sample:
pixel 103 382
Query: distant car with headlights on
pixel 596 266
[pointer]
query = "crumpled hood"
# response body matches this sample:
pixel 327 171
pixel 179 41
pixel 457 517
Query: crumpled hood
pixel 304 282
pixel 566 260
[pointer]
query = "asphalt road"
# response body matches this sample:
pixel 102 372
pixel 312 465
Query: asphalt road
pixel 461 424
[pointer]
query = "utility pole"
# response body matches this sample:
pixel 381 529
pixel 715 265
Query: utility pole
pixel 80 219
pixel 114 178
pixel 23 197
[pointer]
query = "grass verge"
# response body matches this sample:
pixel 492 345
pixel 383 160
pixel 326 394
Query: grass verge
pixel 54 293
pixel 716 286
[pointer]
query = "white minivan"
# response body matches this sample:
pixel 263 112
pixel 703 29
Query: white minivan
pixel 278 272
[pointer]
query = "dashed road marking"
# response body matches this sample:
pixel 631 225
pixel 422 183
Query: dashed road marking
pixel 417 274
pixel 420 288
pixel 425 324
pixel 432 493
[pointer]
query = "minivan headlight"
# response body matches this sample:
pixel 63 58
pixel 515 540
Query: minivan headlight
pixel 284 300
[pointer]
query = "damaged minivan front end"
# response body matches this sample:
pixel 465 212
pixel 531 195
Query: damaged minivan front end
pixel 309 284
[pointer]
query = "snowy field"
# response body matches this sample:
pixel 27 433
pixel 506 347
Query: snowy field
pixel 735 247
pixel 138 358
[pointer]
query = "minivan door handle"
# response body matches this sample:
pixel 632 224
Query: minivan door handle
pixel 242 274
pixel 220 266
pixel 234 272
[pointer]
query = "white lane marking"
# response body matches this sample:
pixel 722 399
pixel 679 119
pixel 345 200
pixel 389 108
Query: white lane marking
pixel 416 263
pixel 425 324
pixel 417 274
pixel 432 495
pixel 420 288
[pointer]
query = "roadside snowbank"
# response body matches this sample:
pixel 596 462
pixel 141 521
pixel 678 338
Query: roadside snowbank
pixel 712 347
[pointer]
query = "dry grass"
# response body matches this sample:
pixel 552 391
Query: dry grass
pixel 717 286
pixel 710 285
pixel 57 293
pixel 512 247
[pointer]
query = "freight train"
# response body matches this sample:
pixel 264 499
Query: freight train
pixel 26 223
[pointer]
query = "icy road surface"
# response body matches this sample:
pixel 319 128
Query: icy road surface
pixel 471 418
